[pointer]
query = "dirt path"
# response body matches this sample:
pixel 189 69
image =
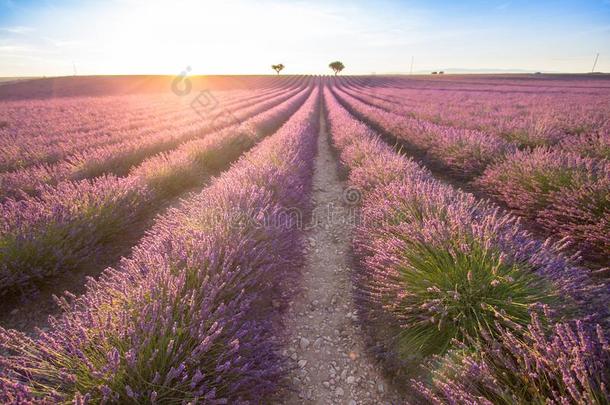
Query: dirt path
pixel 325 343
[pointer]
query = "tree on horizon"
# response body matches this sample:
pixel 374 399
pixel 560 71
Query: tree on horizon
pixel 278 68
pixel 336 66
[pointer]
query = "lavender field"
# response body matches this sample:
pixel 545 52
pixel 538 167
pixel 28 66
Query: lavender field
pixel 380 239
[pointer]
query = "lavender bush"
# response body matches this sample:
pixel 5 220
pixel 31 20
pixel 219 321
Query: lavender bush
pixel 582 215
pixel 570 365
pixel 64 226
pixel 446 266
pixel 592 144
pixel 562 191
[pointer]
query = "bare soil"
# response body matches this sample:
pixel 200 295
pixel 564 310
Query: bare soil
pixel 326 347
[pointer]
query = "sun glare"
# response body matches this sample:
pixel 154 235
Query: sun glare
pixel 211 37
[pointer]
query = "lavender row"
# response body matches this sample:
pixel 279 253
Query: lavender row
pixel 99 124
pixel 45 132
pixel 531 115
pixel 119 157
pixel 466 152
pixel 168 173
pixel 68 224
pixel 189 316
pixel 564 193
pixel 27 126
pixel 531 125
pixel 436 266
pixel 52 121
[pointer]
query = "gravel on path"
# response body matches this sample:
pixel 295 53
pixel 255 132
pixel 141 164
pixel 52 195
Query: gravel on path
pixel 326 351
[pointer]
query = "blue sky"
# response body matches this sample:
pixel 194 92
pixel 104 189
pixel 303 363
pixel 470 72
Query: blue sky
pixel 44 37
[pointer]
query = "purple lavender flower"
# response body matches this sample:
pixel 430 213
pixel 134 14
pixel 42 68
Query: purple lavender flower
pixel 570 365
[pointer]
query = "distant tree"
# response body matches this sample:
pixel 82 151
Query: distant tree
pixel 433 73
pixel 336 67
pixel 278 68
pixel 441 73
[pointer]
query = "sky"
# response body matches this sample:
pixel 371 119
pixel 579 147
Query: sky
pixel 59 38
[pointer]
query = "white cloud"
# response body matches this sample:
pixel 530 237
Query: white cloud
pixel 13 48
pixel 20 29
pixel 58 43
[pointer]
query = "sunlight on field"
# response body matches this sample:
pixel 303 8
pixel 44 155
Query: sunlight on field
pixel 290 202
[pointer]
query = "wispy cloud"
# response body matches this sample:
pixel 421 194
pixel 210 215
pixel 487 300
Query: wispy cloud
pixel 20 29
pixel 58 43
pixel 14 48
pixel 503 6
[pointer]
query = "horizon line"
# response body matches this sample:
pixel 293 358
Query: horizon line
pixel 473 72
